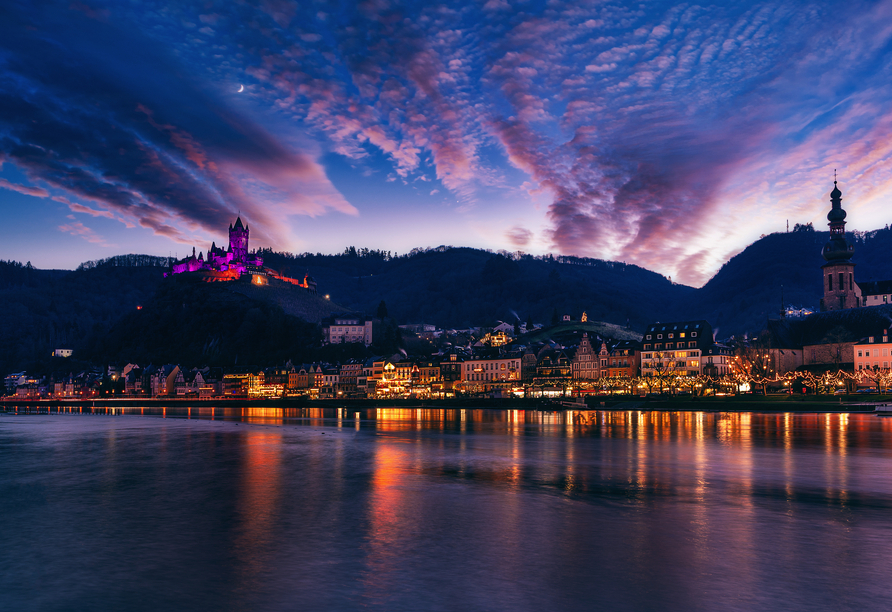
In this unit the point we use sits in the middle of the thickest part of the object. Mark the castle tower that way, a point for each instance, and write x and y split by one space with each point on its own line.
238 241
840 289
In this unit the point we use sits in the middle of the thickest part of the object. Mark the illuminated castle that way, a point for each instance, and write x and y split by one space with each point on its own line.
232 263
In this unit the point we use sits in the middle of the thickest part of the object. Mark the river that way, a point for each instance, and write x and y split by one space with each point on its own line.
403 509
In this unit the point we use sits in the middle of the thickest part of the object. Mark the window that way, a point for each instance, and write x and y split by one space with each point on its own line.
671 335
693 334
692 345
659 336
669 345
829 282
842 282
859 354
681 335
658 346
648 336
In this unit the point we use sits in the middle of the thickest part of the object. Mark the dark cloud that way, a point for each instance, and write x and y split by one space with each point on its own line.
107 115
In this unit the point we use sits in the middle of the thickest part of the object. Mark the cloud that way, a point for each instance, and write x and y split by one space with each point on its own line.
106 115
37 192
76 228
650 129
519 236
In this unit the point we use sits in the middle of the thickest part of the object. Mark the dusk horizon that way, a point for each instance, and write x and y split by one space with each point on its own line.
666 136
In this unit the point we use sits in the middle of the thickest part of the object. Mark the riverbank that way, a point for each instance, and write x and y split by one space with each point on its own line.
736 403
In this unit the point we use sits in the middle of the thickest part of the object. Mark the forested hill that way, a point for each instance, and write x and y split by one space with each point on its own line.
48 309
448 287
747 290
460 287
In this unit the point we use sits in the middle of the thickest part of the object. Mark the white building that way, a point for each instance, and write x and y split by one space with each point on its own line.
343 329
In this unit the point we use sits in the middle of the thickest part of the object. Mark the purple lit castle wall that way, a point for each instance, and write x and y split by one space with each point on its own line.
233 261
230 264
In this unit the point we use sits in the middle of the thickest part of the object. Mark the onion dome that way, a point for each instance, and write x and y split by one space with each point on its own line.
836 213
837 248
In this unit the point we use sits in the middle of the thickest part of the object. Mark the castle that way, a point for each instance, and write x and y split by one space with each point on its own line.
232 263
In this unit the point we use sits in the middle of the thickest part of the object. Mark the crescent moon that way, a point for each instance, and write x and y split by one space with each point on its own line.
241 88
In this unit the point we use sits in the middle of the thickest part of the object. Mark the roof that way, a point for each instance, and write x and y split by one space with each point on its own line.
680 326
876 287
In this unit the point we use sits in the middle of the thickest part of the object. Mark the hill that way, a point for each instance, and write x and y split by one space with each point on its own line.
200 323
461 287
93 309
568 332
48 309
747 290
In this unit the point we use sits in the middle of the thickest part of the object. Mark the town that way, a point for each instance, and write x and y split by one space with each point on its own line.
831 351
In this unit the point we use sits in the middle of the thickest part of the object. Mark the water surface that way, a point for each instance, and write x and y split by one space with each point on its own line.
401 509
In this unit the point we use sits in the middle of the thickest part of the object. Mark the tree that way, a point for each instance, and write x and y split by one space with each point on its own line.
754 359
836 338
382 311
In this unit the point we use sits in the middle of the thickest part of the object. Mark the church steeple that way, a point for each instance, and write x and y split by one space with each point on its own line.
837 248
840 289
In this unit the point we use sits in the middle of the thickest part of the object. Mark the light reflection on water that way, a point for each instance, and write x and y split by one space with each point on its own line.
442 509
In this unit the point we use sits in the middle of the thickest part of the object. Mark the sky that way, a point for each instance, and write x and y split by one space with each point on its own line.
662 134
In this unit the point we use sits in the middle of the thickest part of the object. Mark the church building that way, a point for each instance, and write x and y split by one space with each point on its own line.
840 289
841 292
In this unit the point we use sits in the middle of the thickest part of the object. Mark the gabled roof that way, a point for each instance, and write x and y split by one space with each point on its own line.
876 287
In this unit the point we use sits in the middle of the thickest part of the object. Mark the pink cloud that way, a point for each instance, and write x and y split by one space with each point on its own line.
77 228
36 192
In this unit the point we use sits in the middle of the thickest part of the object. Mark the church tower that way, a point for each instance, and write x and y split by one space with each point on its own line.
840 289
238 241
